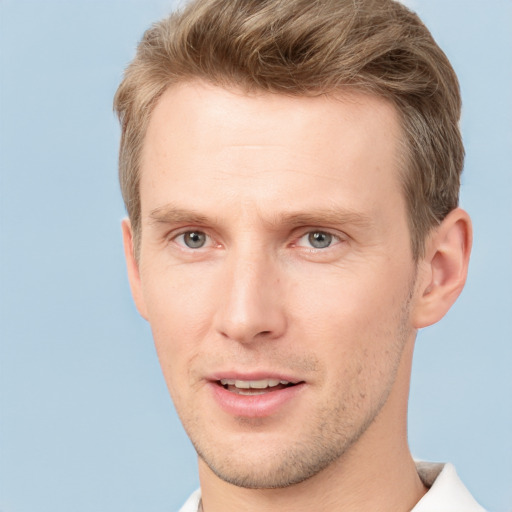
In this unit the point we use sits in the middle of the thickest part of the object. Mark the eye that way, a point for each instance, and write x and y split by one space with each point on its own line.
192 239
318 239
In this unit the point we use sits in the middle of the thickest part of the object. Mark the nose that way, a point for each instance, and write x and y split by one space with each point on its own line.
251 299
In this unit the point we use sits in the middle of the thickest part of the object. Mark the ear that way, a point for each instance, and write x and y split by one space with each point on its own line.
443 271
132 266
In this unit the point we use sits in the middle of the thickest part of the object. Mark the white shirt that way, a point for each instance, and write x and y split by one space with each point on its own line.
446 492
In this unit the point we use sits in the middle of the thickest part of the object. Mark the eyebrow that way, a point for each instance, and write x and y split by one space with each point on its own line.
170 214
324 216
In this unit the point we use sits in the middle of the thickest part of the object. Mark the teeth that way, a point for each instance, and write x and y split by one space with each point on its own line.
253 384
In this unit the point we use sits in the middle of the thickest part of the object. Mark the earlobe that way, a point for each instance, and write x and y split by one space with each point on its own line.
444 268
132 266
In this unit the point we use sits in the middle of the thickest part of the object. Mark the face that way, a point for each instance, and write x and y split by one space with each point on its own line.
276 272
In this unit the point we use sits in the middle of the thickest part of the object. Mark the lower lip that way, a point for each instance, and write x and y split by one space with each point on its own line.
254 406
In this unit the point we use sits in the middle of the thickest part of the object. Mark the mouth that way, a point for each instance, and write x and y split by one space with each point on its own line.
254 396
254 387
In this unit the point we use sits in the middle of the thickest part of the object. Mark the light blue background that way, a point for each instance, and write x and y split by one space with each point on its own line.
86 423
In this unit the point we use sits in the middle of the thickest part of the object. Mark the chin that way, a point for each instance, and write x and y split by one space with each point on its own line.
265 469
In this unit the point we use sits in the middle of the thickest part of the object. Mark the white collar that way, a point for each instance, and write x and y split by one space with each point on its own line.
447 493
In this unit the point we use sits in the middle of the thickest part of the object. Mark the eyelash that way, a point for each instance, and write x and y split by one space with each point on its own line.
190 231
333 239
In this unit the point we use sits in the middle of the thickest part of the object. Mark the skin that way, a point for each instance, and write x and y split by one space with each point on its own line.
255 176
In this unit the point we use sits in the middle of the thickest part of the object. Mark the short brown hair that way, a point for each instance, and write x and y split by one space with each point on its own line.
307 47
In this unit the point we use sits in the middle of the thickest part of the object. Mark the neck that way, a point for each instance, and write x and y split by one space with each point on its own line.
377 473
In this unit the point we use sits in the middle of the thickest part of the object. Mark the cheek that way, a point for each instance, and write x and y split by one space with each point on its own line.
358 318
344 300
179 316
178 300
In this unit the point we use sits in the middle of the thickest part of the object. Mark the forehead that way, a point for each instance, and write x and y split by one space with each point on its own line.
222 143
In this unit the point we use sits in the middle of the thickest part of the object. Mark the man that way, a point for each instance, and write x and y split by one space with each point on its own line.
291 174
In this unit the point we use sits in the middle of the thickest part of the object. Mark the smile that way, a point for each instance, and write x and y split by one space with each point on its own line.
254 387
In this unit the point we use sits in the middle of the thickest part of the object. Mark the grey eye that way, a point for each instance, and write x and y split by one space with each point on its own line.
194 239
320 239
